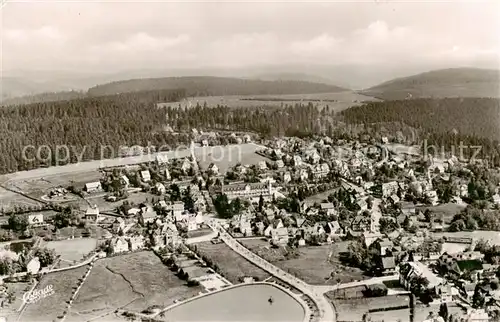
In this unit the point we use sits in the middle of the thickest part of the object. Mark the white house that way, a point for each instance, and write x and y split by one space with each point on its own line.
328 208
126 181
280 164
119 245
146 176
93 187
92 214
262 165
160 188
35 220
287 177
167 175
161 158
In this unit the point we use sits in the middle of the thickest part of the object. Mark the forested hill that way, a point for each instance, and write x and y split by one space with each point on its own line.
215 86
43 97
454 82
467 116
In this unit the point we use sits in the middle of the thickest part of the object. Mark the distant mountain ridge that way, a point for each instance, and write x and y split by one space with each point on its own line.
214 86
453 82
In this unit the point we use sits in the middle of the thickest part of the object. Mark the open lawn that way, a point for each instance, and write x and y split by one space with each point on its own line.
39 186
226 157
353 309
10 309
232 266
133 281
199 232
337 101
314 264
49 308
72 251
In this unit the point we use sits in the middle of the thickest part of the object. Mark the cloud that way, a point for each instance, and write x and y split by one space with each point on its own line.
40 35
318 44
142 42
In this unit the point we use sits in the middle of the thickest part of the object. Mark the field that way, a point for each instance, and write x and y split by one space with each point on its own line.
51 307
133 282
338 101
232 266
72 251
314 265
10 310
353 309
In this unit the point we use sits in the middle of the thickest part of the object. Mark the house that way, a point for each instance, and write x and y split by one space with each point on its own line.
119 245
92 214
213 169
245 226
389 188
384 140
35 220
432 197
92 187
359 223
247 138
362 204
369 238
161 158
394 199
191 222
279 236
287 177
280 164
186 165
328 208
148 215
249 190
333 228
177 208
160 188
33 266
384 246
412 270
297 160
118 224
126 181
389 265
136 243
133 211
303 174
262 165
477 315
146 176
167 175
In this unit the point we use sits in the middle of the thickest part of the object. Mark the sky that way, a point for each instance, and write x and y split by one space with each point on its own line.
96 36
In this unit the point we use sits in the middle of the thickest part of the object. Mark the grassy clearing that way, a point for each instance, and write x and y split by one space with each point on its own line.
353 309
314 265
133 282
49 308
10 310
343 100
232 266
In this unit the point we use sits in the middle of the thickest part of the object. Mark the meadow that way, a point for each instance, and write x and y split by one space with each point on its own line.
337 101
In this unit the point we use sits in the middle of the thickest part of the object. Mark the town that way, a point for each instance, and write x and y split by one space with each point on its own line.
353 230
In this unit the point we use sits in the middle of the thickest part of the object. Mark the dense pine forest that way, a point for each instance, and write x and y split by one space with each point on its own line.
468 116
84 125
443 122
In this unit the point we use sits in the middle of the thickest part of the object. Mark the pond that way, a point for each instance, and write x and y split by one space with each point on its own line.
243 303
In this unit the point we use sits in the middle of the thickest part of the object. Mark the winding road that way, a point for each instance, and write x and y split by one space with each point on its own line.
326 311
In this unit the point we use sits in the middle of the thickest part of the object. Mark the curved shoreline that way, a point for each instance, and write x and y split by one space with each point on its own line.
298 299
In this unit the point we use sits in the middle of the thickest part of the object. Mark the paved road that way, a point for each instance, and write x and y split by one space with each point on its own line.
326 311
376 280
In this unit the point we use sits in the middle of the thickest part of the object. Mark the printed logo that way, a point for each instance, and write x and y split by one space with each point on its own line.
37 295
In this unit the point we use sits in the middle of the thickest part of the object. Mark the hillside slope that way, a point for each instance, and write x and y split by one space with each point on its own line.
214 86
478 117
454 82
